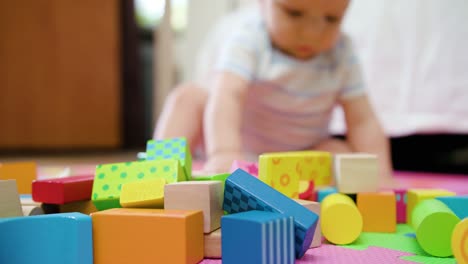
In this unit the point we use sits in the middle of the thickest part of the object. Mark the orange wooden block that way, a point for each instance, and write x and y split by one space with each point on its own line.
23 172
213 244
130 235
378 211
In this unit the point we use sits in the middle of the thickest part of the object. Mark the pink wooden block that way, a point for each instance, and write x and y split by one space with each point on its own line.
250 167
401 201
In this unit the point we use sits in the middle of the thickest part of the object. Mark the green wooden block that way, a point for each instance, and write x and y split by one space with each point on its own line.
109 178
218 177
174 148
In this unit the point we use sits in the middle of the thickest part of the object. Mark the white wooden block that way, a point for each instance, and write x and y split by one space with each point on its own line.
314 207
197 195
355 173
213 244
10 205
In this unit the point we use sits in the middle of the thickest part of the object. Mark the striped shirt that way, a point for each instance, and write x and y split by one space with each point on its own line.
289 102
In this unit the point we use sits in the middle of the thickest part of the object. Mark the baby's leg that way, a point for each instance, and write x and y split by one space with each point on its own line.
182 115
334 145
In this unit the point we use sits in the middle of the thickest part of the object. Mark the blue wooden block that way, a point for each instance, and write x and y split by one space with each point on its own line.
257 237
458 204
322 193
51 239
243 192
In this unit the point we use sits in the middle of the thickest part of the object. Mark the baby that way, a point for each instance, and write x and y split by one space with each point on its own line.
273 87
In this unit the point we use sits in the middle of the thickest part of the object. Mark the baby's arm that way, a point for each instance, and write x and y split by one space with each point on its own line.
222 121
364 134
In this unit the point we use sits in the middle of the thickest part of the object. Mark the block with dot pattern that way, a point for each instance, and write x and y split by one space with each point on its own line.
244 192
109 178
174 148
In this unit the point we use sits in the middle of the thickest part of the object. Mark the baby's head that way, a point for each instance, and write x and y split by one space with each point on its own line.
303 28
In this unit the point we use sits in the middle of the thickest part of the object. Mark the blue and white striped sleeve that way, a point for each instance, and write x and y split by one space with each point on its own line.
239 55
353 83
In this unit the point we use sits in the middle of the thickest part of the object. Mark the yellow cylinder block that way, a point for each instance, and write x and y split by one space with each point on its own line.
340 219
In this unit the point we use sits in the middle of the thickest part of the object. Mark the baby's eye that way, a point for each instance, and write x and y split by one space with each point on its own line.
332 19
294 13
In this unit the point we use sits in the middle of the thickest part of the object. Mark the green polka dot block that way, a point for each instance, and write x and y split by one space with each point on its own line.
174 148
109 178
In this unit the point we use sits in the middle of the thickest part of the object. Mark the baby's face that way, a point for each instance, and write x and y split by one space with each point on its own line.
303 28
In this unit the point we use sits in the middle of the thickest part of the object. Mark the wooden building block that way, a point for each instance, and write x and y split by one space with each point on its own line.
213 244
197 195
29 206
460 242
458 204
284 170
355 173
84 207
174 148
434 223
243 192
23 172
10 205
417 195
306 190
378 211
257 237
63 190
314 207
250 167
129 235
109 178
324 192
217 177
401 197
29 210
143 194
51 239
341 219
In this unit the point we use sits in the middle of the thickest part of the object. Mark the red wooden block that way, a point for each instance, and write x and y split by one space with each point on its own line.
63 190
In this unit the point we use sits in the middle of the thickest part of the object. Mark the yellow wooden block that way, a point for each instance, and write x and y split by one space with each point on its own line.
378 211
23 172
417 195
143 194
135 235
284 170
314 207
460 242
341 219
213 244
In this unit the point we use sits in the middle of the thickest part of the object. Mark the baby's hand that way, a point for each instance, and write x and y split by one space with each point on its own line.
221 162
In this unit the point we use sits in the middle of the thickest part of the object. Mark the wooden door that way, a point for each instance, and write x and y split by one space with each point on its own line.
59 74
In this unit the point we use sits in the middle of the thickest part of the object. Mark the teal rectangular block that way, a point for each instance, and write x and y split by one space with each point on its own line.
458 204
173 148
51 239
